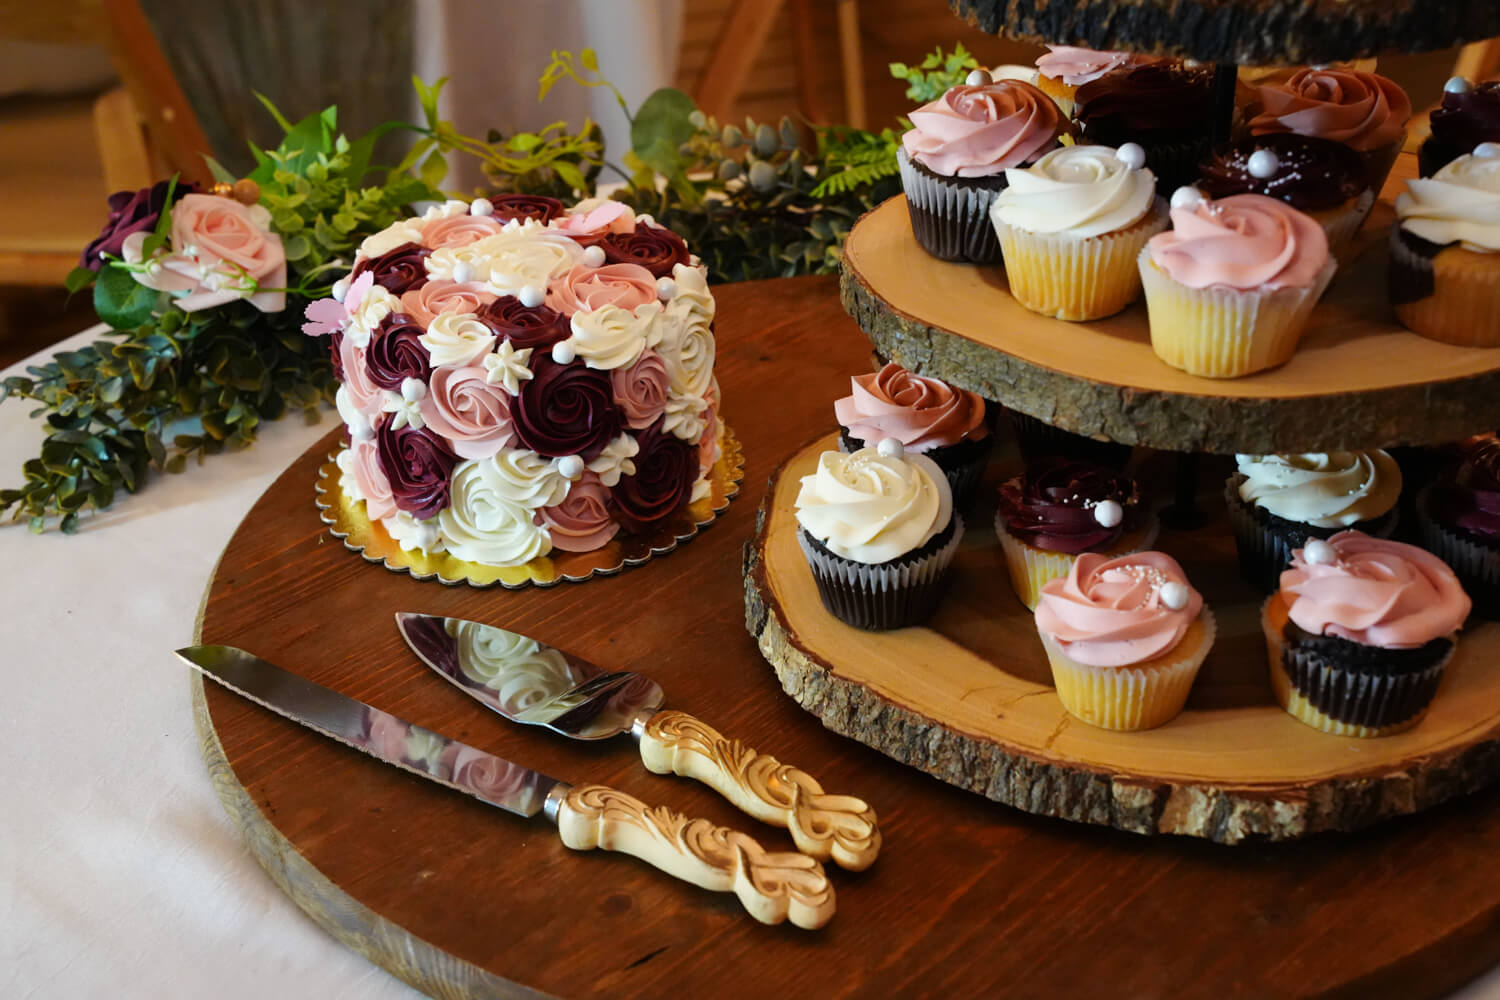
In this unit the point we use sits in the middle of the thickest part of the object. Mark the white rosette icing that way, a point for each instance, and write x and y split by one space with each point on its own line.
472 258
413 535
870 508
1079 190
528 254
357 422
508 367
519 670
526 478
687 340
374 307
615 460
1459 203
389 238
425 748
686 417
1324 489
446 210
611 337
457 339
347 482
701 489
481 525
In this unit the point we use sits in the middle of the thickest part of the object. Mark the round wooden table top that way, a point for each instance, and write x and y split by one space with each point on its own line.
968 897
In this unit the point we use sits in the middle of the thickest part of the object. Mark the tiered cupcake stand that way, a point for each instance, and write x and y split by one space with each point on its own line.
968 698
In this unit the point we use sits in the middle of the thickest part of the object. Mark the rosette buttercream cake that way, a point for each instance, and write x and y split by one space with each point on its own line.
518 378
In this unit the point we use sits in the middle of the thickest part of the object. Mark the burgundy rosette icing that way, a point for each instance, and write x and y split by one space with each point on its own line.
1470 501
458 230
130 212
525 206
565 410
467 410
641 390
425 303
582 521
396 352
418 464
1463 121
399 270
1311 173
537 327
1052 506
585 289
655 248
336 355
665 469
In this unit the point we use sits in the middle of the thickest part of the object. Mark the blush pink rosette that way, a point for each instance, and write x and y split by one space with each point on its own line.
1244 241
922 413
489 776
387 737
221 251
1109 612
641 390
585 289
371 480
977 131
1376 593
363 393
472 414
1364 111
458 231
1075 66
581 522
442 296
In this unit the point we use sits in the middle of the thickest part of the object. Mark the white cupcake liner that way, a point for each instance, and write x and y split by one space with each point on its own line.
950 216
882 596
1032 568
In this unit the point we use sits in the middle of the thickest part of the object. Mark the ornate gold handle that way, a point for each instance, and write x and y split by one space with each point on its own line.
772 887
840 827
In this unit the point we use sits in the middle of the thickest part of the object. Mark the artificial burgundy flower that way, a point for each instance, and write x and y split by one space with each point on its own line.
399 270
396 352
130 212
665 469
418 465
565 410
655 248
525 206
538 327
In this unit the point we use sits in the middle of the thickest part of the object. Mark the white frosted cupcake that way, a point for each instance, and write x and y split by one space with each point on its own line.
879 531
1071 227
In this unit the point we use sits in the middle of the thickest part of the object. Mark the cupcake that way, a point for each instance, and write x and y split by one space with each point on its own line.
927 415
1468 115
1445 268
1071 226
1458 519
1166 107
1230 287
1059 509
879 531
1364 111
1038 440
1125 638
1318 177
1063 69
1359 633
953 160
1277 502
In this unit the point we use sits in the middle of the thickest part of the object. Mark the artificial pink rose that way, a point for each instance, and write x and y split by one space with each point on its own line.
594 225
585 289
387 738
362 391
426 303
240 254
458 231
489 776
371 480
641 390
581 523
466 409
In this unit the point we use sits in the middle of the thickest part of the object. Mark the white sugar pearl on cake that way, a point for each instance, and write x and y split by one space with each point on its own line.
563 352
481 206
1132 155
360 429
891 448
463 272
1487 150
1263 164
1108 513
571 466
1319 553
593 256
1457 85
978 78
340 289
1175 595
531 296
665 288
413 390
1187 197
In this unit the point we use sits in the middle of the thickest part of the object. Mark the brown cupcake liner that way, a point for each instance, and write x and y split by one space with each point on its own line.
895 594
1264 551
1477 566
950 216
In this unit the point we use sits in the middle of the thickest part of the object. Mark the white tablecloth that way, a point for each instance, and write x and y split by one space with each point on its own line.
120 874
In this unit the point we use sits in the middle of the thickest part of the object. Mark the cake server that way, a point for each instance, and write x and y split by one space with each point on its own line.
772 886
529 682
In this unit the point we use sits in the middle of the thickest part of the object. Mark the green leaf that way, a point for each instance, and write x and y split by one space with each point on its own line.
276 114
121 301
69 524
37 525
660 128
78 278
434 168
589 60
163 229
219 171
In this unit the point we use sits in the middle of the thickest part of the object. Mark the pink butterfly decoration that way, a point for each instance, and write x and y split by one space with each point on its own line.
325 316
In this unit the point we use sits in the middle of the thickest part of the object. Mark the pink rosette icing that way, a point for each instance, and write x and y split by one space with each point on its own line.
1362 110
581 522
467 410
584 288
980 131
487 775
387 735
641 390
458 231
1075 66
380 503
922 413
361 389
1244 241
1377 593
1110 613
436 297
598 222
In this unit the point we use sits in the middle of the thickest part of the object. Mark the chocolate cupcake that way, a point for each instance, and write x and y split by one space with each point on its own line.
927 415
1065 68
1359 632
1318 177
1278 502
1059 509
1469 115
1458 519
1165 107
1038 440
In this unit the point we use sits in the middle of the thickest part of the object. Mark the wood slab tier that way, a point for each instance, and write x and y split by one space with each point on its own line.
1358 380
969 699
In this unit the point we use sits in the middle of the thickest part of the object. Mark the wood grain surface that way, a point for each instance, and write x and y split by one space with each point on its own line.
968 898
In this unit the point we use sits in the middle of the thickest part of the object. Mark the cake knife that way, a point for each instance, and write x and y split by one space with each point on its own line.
529 682
772 886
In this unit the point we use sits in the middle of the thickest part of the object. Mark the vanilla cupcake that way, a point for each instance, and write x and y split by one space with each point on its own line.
1277 502
1064 68
1445 252
879 531
1230 287
1125 638
1360 632
1071 227
954 157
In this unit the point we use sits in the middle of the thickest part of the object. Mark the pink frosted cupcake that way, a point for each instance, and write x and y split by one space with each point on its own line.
927 415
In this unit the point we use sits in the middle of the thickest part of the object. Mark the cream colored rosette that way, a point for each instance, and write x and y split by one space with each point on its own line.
1071 227
1326 489
521 671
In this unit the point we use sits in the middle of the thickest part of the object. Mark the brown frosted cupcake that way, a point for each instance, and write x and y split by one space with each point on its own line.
1165 107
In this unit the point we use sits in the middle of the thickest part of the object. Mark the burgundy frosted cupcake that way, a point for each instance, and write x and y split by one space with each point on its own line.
927 415
1058 509
1458 519
1165 107
1469 115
